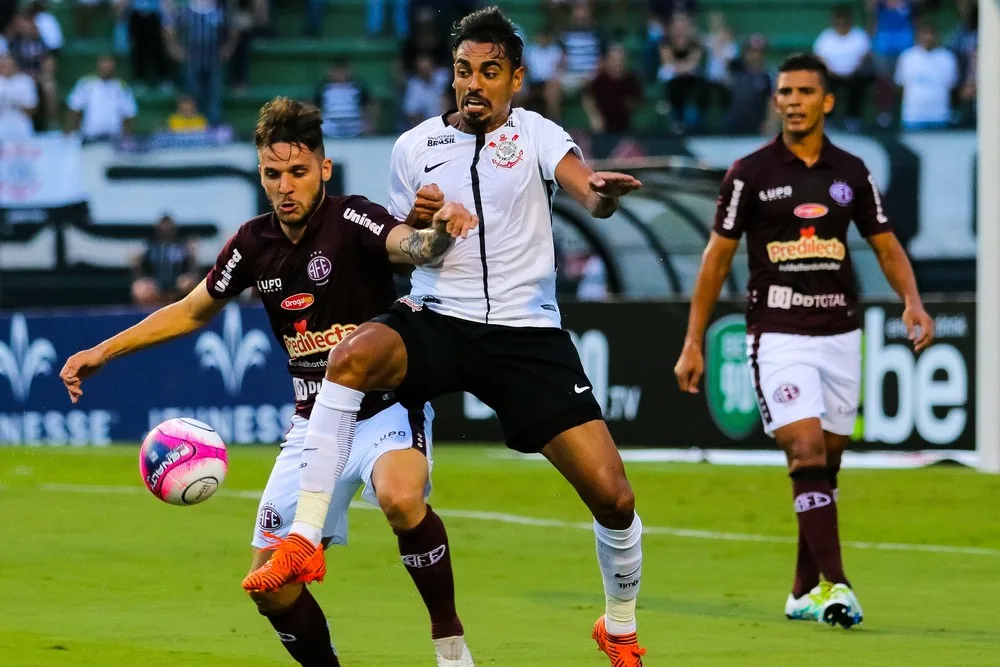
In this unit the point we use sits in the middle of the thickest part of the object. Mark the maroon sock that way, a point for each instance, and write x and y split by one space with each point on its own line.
806 572
304 633
427 558
817 514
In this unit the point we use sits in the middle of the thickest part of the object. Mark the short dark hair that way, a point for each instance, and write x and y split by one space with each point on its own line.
283 120
843 11
807 62
490 26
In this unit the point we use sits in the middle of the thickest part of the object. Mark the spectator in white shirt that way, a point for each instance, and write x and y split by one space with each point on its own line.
845 48
927 73
544 60
102 106
425 91
18 99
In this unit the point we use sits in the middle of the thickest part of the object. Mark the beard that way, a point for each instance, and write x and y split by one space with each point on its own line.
304 219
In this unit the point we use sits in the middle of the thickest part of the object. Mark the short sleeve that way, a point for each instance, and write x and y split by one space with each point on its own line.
732 207
402 192
868 214
233 269
372 223
552 143
129 109
77 97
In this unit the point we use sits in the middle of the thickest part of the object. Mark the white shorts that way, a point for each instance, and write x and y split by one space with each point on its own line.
387 431
798 377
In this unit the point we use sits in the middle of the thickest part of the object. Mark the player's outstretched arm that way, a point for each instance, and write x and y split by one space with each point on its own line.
597 191
407 245
715 264
180 318
898 271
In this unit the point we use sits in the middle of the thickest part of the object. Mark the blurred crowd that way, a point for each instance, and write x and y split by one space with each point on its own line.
691 67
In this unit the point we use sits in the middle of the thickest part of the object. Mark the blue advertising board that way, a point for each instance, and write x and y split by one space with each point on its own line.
231 375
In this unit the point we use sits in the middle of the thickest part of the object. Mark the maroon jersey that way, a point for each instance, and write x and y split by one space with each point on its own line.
315 291
796 219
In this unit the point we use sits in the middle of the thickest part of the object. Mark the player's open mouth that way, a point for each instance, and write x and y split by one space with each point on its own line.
475 105
288 207
795 116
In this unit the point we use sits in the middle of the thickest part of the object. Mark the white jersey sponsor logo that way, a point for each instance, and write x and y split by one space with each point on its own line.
734 204
779 296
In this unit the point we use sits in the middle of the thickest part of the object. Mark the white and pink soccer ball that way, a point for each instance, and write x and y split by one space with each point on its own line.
183 461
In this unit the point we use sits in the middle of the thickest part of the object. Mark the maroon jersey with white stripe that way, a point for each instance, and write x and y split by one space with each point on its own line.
796 219
315 291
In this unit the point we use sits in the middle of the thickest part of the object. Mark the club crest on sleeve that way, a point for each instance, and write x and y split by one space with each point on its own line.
506 152
841 193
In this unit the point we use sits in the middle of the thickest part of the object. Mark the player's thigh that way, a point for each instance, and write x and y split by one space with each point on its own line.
786 380
840 370
281 493
395 468
432 349
587 457
534 380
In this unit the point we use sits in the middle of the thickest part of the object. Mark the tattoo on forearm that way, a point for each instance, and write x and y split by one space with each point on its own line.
425 246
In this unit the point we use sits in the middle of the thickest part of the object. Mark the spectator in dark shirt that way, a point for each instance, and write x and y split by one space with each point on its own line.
26 45
198 35
681 67
167 270
750 89
614 94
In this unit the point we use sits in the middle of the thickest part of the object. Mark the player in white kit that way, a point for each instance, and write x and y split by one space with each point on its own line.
485 319
795 199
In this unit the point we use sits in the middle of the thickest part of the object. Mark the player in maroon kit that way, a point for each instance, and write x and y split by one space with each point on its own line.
323 265
795 199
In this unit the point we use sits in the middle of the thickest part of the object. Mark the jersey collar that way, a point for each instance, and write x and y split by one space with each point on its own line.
826 154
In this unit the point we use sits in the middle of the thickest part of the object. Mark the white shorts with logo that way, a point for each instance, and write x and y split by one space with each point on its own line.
797 377
387 431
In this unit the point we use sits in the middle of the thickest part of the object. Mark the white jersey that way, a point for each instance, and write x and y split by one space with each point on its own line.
505 272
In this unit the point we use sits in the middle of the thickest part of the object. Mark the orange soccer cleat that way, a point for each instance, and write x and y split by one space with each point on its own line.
623 650
295 559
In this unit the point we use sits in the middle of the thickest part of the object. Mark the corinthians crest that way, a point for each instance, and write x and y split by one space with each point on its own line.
506 152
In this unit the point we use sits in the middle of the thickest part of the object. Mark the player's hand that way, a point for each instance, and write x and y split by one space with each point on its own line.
78 368
919 326
689 368
455 220
429 201
612 185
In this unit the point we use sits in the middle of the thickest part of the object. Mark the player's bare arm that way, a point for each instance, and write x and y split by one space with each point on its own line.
597 191
898 271
177 319
715 264
407 245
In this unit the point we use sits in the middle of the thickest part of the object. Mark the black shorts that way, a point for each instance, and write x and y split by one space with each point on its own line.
531 376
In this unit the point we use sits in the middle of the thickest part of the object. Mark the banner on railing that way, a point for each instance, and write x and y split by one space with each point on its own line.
232 375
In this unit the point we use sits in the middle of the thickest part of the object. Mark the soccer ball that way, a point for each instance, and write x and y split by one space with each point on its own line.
183 461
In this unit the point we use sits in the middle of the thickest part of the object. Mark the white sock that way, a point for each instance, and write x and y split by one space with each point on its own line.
619 553
324 455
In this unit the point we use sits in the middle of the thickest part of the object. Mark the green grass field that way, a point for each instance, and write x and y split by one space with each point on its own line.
113 577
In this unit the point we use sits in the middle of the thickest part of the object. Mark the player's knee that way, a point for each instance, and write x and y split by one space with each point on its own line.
615 508
348 366
270 603
805 452
403 507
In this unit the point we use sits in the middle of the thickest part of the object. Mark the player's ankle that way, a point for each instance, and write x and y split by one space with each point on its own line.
450 648
310 532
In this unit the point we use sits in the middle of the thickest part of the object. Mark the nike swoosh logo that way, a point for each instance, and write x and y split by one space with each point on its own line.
428 169
629 575
578 389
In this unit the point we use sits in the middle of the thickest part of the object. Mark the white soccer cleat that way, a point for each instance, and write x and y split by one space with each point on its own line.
809 607
841 607
464 660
